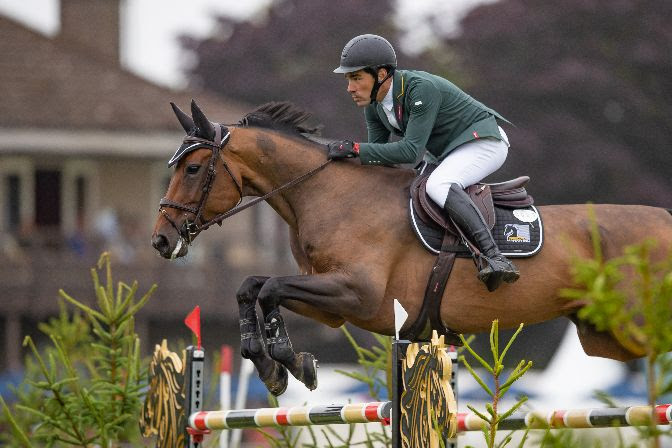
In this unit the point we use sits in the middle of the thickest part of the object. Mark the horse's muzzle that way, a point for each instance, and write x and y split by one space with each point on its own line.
162 244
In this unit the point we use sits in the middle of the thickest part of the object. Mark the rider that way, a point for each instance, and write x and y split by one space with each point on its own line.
426 110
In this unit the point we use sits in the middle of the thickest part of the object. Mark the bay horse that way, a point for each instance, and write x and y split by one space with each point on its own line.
351 237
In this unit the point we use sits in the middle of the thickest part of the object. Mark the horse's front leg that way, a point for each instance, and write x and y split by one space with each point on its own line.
327 292
252 347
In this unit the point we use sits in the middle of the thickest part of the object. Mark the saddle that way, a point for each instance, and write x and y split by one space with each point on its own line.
510 194
510 215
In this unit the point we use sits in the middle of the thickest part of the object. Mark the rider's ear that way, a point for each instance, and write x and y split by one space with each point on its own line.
206 129
184 119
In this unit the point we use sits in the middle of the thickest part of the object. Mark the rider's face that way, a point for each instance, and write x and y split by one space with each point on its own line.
360 84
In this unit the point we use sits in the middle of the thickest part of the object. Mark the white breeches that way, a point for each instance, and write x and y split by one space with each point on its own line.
466 165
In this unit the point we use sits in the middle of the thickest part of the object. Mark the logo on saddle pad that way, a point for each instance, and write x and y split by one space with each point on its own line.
525 215
517 233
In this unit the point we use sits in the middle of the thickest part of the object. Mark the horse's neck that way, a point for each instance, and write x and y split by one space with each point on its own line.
279 159
273 160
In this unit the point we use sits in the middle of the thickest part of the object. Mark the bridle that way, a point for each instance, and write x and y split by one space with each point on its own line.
192 228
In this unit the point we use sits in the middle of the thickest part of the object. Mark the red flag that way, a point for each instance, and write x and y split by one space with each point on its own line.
193 321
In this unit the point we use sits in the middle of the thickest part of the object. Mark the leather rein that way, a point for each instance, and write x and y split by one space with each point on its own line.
193 228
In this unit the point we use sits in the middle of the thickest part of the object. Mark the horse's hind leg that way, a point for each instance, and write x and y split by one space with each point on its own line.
601 343
252 347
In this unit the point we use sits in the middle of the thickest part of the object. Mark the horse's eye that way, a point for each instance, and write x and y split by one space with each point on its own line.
193 169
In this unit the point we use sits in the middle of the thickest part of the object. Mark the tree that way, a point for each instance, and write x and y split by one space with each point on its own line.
290 55
587 84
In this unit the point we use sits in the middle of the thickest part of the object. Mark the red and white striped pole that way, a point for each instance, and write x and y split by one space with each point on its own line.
380 412
225 364
293 416
573 418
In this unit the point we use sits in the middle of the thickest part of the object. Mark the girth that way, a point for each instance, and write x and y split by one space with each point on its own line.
429 317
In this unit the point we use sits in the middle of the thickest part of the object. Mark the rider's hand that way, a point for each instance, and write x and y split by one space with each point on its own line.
343 149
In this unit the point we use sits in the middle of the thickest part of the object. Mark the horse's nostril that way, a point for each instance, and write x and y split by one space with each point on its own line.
160 243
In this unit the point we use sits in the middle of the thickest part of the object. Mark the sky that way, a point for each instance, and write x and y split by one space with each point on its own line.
150 28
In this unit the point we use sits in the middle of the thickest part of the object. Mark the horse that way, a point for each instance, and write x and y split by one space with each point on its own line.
351 238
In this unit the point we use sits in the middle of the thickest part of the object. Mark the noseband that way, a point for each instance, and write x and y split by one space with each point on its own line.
191 229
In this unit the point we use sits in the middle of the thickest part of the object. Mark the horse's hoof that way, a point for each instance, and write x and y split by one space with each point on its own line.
276 383
280 386
309 367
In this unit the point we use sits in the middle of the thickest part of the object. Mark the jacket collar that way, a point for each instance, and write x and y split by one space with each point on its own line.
398 92
399 85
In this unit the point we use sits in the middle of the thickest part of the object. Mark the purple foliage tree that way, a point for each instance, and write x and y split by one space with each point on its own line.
587 82
290 55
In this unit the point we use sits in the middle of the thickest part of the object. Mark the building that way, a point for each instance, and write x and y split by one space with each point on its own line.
84 146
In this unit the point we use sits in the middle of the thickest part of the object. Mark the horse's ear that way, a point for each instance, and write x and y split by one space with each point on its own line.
205 128
184 119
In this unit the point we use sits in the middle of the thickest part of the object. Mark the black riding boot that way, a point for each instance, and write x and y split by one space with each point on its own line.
465 214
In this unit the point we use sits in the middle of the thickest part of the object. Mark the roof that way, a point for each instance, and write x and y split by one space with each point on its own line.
49 83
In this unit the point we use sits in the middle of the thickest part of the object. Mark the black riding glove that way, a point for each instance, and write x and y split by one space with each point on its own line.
344 149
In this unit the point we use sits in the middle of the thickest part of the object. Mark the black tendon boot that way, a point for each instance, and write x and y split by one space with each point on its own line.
497 267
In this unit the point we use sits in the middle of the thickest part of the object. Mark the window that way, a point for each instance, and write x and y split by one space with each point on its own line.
16 193
13 203
47 198
80 201
79 196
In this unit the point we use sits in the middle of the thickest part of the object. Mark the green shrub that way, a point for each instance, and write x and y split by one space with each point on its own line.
86 388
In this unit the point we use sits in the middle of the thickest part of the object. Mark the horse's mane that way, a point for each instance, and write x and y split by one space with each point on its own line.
282 116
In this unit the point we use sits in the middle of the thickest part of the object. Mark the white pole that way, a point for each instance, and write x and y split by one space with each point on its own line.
246 368
225 362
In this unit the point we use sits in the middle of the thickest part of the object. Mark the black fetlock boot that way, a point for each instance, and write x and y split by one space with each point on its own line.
497 267
303 366
252 347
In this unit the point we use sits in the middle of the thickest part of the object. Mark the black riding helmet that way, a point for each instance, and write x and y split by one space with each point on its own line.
368 52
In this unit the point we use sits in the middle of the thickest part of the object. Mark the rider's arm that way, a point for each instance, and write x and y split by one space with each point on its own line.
377 132
424 100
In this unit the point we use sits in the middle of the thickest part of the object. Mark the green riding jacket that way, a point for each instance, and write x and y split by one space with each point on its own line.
433 113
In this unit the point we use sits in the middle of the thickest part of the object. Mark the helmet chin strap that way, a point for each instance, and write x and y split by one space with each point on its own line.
377 84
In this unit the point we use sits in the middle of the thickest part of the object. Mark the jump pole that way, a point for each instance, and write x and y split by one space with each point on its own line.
573 418
292 416
379 412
